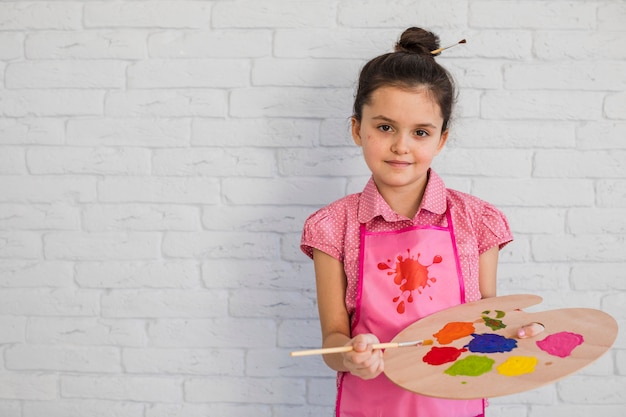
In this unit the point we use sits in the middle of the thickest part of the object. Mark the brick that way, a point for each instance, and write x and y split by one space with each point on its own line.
37 103
565 409
12 330
611 16
472 73
511 134
536 220
220 245
31 131
101 246
29 189
225 332
259 191
11 45
532 15
140 217
48 302
28 387
579 45
299 334
585 76
87 331
63 358
252 219
611 193
151 189
540 277
264 132
324 43
248 390
588 248
199 73
131 132
305 73
162 14
290 102
588 389
66 74
126 388
214 162
276 363
604 276
13 161
80 408
217 362
39 216
536 193
330 162
20 245
613 303
36 273
484 162
542 105
202 410
99 161
172 303
596 220
372 14
615 106
271 303
212 43
166 103
305 410
92 44
336 132
258 274
150 274
601 135
575 164
39 15
322 391
273 14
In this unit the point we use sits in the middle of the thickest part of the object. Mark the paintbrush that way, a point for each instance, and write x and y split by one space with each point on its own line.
341 349
438 51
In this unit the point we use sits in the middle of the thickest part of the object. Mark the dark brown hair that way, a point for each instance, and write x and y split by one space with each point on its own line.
410 66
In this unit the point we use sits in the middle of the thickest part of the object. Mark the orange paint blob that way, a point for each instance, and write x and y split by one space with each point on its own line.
453 331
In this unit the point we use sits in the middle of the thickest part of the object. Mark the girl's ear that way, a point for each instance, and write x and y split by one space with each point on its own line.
442 141
356 131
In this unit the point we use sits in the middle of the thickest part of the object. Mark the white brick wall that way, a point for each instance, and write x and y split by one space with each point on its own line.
158 159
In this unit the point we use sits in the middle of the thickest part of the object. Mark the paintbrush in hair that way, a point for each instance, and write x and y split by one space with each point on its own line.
438 51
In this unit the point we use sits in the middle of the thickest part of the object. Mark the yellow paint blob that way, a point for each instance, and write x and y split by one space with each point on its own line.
518 365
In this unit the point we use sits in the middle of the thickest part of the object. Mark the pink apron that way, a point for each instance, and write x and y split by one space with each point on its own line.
403 276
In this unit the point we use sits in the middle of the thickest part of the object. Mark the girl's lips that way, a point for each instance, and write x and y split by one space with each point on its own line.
399 164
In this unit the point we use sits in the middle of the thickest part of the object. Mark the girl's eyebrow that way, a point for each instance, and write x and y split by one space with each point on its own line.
391 121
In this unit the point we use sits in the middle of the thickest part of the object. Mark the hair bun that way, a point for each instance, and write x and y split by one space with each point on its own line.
417 41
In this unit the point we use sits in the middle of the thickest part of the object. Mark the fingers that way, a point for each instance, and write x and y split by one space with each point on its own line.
530 330
363 361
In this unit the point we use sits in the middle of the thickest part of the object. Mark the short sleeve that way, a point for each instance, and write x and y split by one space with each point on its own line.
494 230
324 230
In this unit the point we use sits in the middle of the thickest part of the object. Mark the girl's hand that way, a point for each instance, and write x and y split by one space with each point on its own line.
363 361
530 330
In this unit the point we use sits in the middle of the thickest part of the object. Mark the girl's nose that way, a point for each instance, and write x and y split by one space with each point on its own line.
400 145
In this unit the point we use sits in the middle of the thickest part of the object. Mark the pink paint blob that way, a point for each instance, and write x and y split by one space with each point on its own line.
560 344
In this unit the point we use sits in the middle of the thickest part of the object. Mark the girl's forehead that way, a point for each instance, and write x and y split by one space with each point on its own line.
404 101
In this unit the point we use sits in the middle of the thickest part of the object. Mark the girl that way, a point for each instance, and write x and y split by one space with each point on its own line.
406 246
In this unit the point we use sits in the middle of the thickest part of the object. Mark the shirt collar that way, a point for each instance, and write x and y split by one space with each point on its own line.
372 203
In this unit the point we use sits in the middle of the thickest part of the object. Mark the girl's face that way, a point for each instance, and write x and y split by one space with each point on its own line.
400 132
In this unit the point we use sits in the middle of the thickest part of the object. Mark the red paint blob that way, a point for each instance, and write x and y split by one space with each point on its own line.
440 355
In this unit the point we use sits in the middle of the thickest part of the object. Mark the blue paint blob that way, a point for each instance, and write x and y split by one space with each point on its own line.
491 343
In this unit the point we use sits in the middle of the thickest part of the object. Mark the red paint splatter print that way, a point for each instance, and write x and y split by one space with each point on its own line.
410 275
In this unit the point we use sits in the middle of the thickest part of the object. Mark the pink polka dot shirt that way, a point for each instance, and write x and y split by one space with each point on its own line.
334 229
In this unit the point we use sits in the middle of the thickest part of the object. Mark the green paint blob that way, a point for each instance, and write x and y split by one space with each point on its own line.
472 365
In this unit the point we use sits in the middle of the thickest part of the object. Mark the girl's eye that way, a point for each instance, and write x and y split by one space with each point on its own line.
421 133
384 128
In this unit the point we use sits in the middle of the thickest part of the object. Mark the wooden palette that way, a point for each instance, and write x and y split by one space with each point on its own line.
510 371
